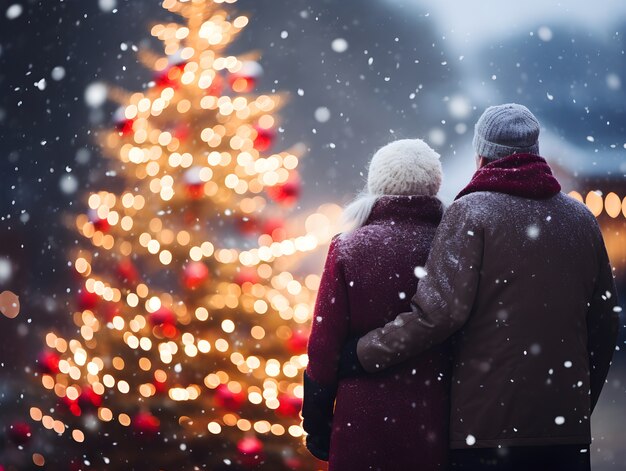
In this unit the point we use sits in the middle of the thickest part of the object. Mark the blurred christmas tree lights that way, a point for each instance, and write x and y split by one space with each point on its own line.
191 324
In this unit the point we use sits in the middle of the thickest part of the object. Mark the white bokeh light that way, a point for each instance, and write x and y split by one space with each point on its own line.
107 5
68 184
613 81
459 107
14 11
58 73
6 270
95 94
339 45
322 114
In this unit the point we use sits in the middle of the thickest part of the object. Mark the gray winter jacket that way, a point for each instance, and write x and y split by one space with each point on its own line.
527 287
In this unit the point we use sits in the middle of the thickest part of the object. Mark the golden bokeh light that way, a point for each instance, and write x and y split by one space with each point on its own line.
613 205
594 202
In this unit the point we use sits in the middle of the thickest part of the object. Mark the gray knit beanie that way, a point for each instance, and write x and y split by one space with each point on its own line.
504 130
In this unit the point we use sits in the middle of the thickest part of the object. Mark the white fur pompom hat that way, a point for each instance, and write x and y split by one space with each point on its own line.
407 167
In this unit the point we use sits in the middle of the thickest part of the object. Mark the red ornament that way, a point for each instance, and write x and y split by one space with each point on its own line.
163 317
286 194
127 272
170 77
144 423
195 275
19 433
181 132
246 79
87 300
160 386
246 275
195 192
290 406
264 139
72 406
88 399
169 331
248 226
228 400
49 362
250 451
193 183
99 224
297 343
275 228
123 125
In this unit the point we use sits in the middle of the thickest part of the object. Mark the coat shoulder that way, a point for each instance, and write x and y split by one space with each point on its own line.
472 207
581 216
578 208
376 238
346 244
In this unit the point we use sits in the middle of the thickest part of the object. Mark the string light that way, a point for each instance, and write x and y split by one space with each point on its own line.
597 203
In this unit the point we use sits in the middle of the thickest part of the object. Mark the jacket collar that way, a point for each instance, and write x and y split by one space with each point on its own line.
525 175
402 208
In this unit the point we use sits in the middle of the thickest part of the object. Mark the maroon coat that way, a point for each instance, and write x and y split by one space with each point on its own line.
397 419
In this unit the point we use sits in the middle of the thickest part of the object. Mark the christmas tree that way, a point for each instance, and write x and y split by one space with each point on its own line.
191 325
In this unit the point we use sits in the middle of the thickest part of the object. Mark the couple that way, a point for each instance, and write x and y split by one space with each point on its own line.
473 338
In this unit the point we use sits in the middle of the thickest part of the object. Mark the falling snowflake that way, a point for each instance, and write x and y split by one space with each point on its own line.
532 232
459 107
107 5
339 45
95 94
322 114
6 270
420 272
613 81
68 184
58 73
545 33
14 11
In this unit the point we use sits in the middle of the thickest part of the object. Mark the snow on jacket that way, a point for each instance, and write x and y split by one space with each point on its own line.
397 419
524 279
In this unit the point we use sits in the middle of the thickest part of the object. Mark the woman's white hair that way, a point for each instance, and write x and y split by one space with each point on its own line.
403 167
356 213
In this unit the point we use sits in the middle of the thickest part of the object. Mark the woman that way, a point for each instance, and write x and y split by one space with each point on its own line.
398 419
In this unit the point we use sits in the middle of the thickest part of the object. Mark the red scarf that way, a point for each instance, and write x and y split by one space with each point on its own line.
525 175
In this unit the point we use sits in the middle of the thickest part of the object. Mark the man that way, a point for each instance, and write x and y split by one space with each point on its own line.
519 272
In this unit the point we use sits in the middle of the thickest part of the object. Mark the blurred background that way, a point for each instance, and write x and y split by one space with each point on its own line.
359 73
